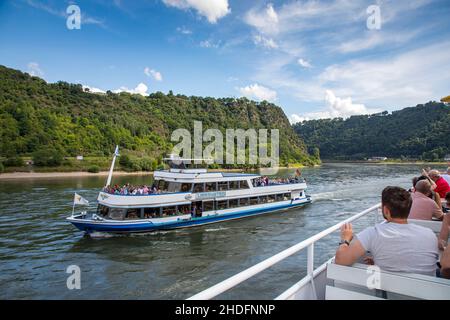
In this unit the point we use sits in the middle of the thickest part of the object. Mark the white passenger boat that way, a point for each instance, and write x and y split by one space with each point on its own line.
329 281
190 196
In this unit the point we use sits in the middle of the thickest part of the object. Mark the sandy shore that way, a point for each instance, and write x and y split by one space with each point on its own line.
51 175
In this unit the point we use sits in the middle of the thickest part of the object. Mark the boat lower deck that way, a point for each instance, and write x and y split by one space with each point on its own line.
92 223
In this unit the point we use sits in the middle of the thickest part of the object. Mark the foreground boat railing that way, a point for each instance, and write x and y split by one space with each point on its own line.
233 281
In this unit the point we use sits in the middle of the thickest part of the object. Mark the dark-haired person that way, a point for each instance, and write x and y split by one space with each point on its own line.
423 206
395 244
446 205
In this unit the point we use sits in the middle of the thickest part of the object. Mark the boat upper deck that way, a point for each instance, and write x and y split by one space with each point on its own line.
200 175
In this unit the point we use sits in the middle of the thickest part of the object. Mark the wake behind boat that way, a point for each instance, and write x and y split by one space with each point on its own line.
187 195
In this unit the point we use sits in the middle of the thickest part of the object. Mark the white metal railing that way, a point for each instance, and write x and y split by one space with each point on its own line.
263 265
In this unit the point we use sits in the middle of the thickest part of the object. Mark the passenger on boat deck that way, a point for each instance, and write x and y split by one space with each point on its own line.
395 245
442 187
128 189
265 181
423 206
446 205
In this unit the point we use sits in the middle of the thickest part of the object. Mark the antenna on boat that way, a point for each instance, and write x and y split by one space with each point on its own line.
116 153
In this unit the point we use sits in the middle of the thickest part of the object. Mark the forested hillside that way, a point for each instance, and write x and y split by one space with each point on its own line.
421 132
64 120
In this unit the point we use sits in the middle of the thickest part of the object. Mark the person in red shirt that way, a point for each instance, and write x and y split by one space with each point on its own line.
442 186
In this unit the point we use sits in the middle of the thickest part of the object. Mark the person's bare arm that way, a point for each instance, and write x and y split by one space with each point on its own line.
445 230
347 255
437 212
433 184
445 263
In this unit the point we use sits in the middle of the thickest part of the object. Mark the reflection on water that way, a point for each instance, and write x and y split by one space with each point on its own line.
37 244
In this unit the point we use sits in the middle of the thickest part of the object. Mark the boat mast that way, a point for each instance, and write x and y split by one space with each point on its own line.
116 153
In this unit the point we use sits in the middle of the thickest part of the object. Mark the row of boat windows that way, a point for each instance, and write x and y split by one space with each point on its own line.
170 186
195 209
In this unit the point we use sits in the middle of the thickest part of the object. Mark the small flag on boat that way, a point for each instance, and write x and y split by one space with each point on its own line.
80 200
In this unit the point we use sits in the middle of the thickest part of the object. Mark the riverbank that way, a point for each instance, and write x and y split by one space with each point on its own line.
73 174
52 175
399 162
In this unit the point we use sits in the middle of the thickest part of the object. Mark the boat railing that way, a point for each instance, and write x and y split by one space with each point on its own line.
308 244
276 183
159 193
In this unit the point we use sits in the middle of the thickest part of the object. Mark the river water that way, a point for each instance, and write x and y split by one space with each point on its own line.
37 245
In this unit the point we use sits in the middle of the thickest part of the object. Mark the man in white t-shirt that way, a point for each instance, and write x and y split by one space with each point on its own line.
446 175
395 245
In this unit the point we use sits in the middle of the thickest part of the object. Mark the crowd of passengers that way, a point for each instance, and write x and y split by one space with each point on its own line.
265 181
398 246
130 190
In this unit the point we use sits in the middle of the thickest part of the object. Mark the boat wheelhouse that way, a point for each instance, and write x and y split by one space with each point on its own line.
189 195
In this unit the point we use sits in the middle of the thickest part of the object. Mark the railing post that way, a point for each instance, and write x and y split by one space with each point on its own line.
310 265
310 268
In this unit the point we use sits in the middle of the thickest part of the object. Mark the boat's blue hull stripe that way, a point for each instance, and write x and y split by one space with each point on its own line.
148 226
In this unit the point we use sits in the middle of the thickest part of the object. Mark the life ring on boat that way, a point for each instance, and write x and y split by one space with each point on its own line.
96 217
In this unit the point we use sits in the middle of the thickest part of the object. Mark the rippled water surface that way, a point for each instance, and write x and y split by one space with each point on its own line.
37 244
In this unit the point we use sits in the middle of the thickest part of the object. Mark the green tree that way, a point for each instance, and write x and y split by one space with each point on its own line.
47 157
15 161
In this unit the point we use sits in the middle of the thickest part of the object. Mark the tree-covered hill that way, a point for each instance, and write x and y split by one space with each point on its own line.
421 132
36 115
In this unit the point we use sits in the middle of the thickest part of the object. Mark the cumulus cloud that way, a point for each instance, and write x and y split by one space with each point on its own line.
265 42
304 63
212 10
140 89
258 92
93 89
35 70
335 107
153 74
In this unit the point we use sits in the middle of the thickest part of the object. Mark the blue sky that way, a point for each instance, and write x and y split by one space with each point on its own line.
315 59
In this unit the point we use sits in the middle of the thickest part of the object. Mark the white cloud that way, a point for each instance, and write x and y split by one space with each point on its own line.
391 82
85 19
295 118
184 30
258 92
35 70
406 79
304 63
153 73
140 89
265 42
213 10
209 44
266 20
375 39
93 89
335 107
